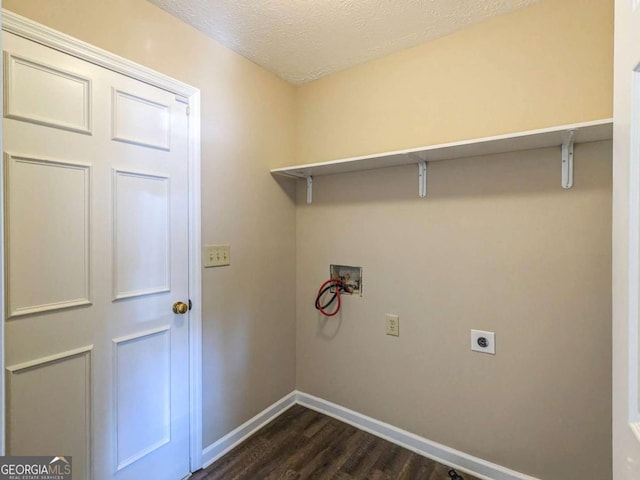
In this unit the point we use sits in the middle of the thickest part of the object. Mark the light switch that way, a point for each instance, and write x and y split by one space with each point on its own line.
217 255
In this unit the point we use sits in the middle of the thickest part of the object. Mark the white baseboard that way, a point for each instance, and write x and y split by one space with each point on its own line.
448 456
441 453
217 449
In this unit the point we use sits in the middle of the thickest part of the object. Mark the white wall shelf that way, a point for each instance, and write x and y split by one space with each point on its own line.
560 136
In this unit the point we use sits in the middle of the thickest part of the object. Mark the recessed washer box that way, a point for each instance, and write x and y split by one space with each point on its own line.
352 276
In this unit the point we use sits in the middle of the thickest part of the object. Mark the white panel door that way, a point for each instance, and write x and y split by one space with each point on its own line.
626 242
96 256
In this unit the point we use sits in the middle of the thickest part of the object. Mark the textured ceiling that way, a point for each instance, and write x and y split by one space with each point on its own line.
302 40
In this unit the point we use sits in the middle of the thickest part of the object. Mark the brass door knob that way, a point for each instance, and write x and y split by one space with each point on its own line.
180 308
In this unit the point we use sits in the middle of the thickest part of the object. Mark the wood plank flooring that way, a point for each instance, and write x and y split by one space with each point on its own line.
304 444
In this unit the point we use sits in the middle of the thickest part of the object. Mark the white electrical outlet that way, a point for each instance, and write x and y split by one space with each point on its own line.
484 342
393 325
217 255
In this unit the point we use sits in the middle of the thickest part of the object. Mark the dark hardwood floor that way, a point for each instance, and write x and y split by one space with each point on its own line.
304 444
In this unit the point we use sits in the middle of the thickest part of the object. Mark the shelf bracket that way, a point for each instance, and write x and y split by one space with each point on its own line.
309 189
567 159
422 178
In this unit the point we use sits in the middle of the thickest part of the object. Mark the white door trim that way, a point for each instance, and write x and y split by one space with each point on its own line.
46 36
634 263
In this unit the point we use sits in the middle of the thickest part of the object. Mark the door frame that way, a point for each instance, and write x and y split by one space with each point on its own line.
185 93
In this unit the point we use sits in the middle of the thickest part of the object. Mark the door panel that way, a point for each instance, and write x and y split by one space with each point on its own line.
141 234
36 190
97 236
39 402
141 121
46 95
143 365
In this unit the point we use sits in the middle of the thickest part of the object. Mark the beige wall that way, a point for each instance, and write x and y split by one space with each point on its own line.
496 245
549 64
247 127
